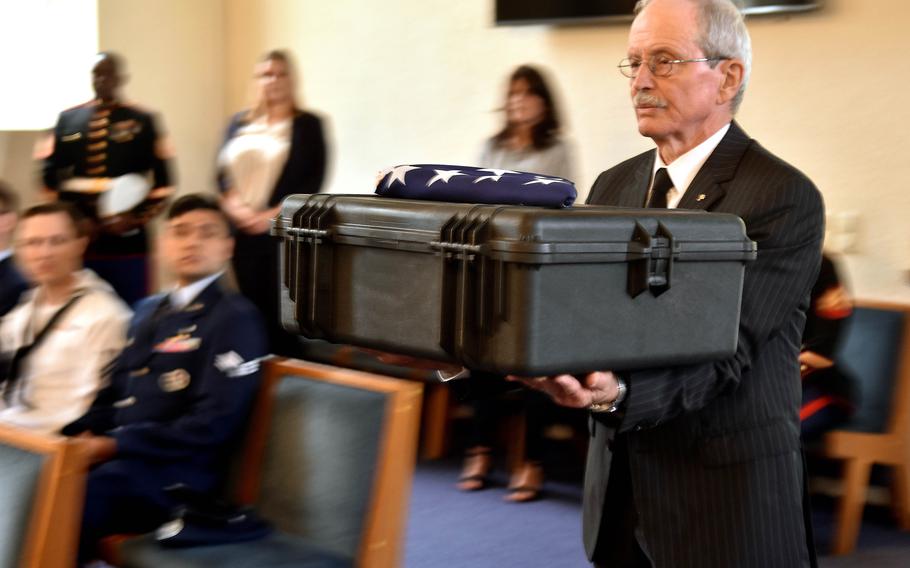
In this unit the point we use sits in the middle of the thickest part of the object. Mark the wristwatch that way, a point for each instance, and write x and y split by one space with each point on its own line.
613 405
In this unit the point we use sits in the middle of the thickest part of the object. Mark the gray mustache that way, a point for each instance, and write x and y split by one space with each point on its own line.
645 99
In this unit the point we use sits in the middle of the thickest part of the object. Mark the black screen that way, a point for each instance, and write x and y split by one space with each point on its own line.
537 11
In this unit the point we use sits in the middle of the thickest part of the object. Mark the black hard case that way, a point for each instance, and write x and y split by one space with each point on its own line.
511 289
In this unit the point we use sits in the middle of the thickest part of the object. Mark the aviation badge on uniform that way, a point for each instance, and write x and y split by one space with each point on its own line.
173 381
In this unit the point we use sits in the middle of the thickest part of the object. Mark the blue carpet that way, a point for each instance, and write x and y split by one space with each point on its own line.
451 529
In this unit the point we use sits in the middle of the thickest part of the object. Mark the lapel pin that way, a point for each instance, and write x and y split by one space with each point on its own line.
701 197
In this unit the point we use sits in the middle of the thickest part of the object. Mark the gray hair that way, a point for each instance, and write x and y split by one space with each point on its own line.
722 33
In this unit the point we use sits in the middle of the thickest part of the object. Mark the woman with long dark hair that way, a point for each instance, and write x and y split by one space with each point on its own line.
271 150
529 141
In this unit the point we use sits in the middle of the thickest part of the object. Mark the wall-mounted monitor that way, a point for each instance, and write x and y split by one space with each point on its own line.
518 12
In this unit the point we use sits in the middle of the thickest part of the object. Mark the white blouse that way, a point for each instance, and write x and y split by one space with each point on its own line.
254 159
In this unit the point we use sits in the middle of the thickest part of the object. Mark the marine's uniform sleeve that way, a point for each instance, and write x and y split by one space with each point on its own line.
160 158
53 156
223 394
787 222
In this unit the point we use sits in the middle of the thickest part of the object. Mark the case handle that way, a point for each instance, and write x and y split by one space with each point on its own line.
654 271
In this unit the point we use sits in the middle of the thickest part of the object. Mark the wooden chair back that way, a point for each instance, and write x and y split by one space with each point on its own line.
384 522
42 488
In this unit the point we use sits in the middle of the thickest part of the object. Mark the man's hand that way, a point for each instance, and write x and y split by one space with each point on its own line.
119 224
600 387
834 302
810 361
99 448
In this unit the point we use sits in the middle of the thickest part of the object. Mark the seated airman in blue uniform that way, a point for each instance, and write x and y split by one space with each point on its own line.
182 389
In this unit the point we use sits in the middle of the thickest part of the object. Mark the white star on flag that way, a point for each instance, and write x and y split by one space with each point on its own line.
444 175
545 181
398 174
497 174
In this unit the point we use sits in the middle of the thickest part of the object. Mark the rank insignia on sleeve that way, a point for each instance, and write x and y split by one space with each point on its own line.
233 365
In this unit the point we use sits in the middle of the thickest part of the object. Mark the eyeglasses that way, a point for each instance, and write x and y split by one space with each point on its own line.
205 232
54 241
270 75
659 67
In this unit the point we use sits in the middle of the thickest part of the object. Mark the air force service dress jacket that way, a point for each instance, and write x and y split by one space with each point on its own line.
182 389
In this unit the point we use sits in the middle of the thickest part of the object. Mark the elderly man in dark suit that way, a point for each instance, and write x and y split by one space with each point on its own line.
700 465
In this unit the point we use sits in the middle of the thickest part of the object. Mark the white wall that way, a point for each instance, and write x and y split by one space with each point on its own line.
416 80
175 53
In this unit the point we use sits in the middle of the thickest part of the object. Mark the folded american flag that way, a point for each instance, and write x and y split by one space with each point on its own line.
468 184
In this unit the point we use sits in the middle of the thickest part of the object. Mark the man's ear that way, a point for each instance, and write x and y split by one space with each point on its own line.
8 222
733 72
82 242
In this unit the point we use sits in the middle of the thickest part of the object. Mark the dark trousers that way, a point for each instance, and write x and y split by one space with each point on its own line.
538 410
618 545
256 270
123 262
127 496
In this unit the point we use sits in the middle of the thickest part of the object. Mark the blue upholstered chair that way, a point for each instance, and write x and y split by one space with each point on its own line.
877 353
42 481
329 462
435 421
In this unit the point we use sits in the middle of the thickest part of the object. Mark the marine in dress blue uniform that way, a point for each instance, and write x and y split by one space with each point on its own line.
180 395
106 138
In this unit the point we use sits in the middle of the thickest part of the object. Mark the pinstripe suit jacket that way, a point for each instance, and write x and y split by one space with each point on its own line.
713 448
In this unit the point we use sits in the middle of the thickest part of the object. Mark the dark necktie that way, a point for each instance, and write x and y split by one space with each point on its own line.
662 185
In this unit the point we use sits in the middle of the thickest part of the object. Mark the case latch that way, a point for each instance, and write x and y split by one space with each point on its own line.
654 270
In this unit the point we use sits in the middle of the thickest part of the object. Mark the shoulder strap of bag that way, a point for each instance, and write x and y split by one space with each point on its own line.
12 376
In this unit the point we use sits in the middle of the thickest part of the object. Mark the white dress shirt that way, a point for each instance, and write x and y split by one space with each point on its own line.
181 297
684 168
